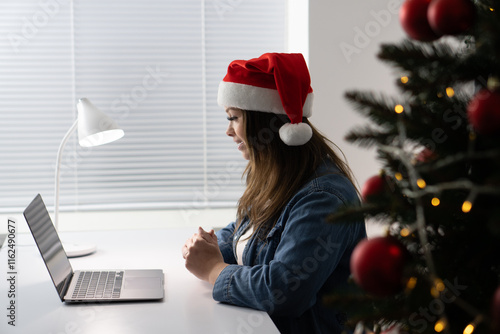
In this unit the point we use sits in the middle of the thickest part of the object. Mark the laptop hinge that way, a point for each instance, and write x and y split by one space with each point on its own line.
63 287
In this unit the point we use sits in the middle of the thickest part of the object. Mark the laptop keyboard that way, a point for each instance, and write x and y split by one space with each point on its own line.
98 284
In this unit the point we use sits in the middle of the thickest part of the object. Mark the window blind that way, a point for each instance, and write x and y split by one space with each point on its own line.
154 66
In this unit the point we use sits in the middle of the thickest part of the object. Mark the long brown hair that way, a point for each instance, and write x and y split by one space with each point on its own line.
277 171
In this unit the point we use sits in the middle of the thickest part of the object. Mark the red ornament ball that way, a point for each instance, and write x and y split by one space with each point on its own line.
374 187
451 17
377 265
483 112
413 19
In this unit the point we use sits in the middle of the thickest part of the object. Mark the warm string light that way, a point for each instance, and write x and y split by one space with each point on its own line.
450 92
472 326
412 282
440 325
404 232
437 288
404 79
438 283
398 176
460 184
398 109
435 201
466 206
469 329
436 291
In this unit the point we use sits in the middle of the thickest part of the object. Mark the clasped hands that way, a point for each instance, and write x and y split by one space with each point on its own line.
203 256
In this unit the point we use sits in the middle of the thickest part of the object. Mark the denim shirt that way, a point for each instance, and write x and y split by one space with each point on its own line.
301 259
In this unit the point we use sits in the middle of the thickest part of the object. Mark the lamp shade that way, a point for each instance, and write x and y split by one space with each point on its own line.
94 127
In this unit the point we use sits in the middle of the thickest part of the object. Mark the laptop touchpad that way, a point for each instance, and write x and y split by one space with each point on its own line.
142 282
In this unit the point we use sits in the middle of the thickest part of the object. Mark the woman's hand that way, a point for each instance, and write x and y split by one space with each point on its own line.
203 256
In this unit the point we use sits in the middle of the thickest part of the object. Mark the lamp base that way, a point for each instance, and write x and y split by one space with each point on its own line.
78 250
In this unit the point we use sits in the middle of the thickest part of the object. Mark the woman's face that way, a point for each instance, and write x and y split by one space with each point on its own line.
236 130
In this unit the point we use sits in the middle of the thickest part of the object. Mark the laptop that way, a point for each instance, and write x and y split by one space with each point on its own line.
87 285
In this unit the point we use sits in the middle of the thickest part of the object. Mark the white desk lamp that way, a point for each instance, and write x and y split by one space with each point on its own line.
94 129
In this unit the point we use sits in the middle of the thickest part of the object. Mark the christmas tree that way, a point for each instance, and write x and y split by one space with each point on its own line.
438 191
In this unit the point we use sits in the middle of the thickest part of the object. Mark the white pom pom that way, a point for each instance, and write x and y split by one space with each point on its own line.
295 134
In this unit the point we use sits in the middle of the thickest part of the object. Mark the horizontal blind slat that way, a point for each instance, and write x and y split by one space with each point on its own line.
141 63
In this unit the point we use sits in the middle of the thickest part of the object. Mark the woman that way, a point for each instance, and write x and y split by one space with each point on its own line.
280 255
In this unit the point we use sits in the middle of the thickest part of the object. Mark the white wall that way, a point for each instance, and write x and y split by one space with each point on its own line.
358 27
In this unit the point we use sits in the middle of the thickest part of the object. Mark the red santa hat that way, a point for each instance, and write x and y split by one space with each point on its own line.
278 83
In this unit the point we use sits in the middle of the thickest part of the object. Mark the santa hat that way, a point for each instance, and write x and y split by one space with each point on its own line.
278 83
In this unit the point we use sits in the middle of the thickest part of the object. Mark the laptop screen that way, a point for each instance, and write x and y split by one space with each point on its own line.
49 244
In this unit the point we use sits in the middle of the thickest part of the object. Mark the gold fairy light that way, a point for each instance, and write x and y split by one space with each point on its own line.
404 232
466 206
472 325
421 183
412 282
437 288
398 176
438 283
469 329
440 325
450 92
435 292
404 79
398 109
435 201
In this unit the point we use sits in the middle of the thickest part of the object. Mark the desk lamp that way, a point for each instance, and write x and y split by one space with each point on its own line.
94 129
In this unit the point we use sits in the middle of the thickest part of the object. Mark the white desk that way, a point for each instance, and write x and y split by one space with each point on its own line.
188 306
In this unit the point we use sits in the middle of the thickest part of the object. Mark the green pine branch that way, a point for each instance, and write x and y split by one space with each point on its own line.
411 56
368 137
380 109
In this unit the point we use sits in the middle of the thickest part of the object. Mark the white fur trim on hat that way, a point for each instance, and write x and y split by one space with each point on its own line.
295 134
254 98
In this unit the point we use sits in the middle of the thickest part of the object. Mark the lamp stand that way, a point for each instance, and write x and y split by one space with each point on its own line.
71 249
